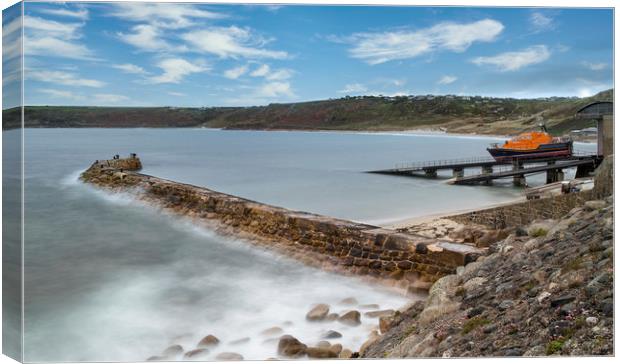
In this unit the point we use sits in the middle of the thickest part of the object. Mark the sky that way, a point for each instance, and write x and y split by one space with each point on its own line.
157 54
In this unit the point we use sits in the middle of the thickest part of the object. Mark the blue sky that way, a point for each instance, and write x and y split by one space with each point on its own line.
209 55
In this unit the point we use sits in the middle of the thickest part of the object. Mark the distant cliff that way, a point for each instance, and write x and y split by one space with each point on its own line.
458 114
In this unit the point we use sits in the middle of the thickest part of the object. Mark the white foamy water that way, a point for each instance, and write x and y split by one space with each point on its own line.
108 278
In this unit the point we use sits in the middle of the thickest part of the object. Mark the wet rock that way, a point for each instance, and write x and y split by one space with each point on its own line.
290 347
173 351
381 313
196 354
229 356
349 301
332 317
331 334
372 306
318 312
345 354
323 344
320 353
156 358
336 348
385 323
351 318
272 331
243 340
208 341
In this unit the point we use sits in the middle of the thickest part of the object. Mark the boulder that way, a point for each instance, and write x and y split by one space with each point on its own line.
229 357
318 312
351 318
290 347
349 301
196 354
331 317
173 351
345 354
272 331
381 313
336 348
243 340
323 344
331 334
321 353
208 341
372 306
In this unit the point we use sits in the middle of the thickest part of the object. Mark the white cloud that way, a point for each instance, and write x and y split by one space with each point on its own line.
275 89
595 66
261 71
130 68
279 75
95 99
264 70
50 28
60 94
541 22
147 37
11 40
236 72
231 42
353 88
175 69
55 47
51 38
171 16
78 14
447 79
376 48
62 78
512 61
173 93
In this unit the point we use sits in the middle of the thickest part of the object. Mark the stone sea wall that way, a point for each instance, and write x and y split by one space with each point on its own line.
399 259
523 213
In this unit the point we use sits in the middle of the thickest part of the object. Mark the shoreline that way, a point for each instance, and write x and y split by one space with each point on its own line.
419 220
396 132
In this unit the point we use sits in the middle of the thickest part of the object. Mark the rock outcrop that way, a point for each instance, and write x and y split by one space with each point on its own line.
549 292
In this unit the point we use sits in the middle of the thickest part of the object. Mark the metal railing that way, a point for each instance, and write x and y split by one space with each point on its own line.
443 163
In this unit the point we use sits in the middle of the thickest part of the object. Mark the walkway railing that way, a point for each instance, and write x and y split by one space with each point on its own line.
443 163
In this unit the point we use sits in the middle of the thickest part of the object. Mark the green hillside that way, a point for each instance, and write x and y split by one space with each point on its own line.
459 114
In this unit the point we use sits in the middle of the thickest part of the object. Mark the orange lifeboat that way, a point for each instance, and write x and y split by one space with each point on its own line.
535 144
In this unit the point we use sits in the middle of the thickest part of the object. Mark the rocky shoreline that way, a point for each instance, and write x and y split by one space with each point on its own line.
546 289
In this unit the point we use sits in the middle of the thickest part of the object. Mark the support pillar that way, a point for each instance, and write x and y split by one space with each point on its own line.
551 173
458 173
486 170
430 173
519 181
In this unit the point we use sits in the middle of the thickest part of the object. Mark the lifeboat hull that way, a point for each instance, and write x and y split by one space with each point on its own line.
564 149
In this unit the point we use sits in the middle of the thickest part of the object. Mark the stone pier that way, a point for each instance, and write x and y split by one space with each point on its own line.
389 256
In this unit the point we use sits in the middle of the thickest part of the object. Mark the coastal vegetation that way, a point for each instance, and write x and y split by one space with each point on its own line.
450 113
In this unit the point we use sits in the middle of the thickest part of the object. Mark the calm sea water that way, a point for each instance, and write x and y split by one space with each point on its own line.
109 279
